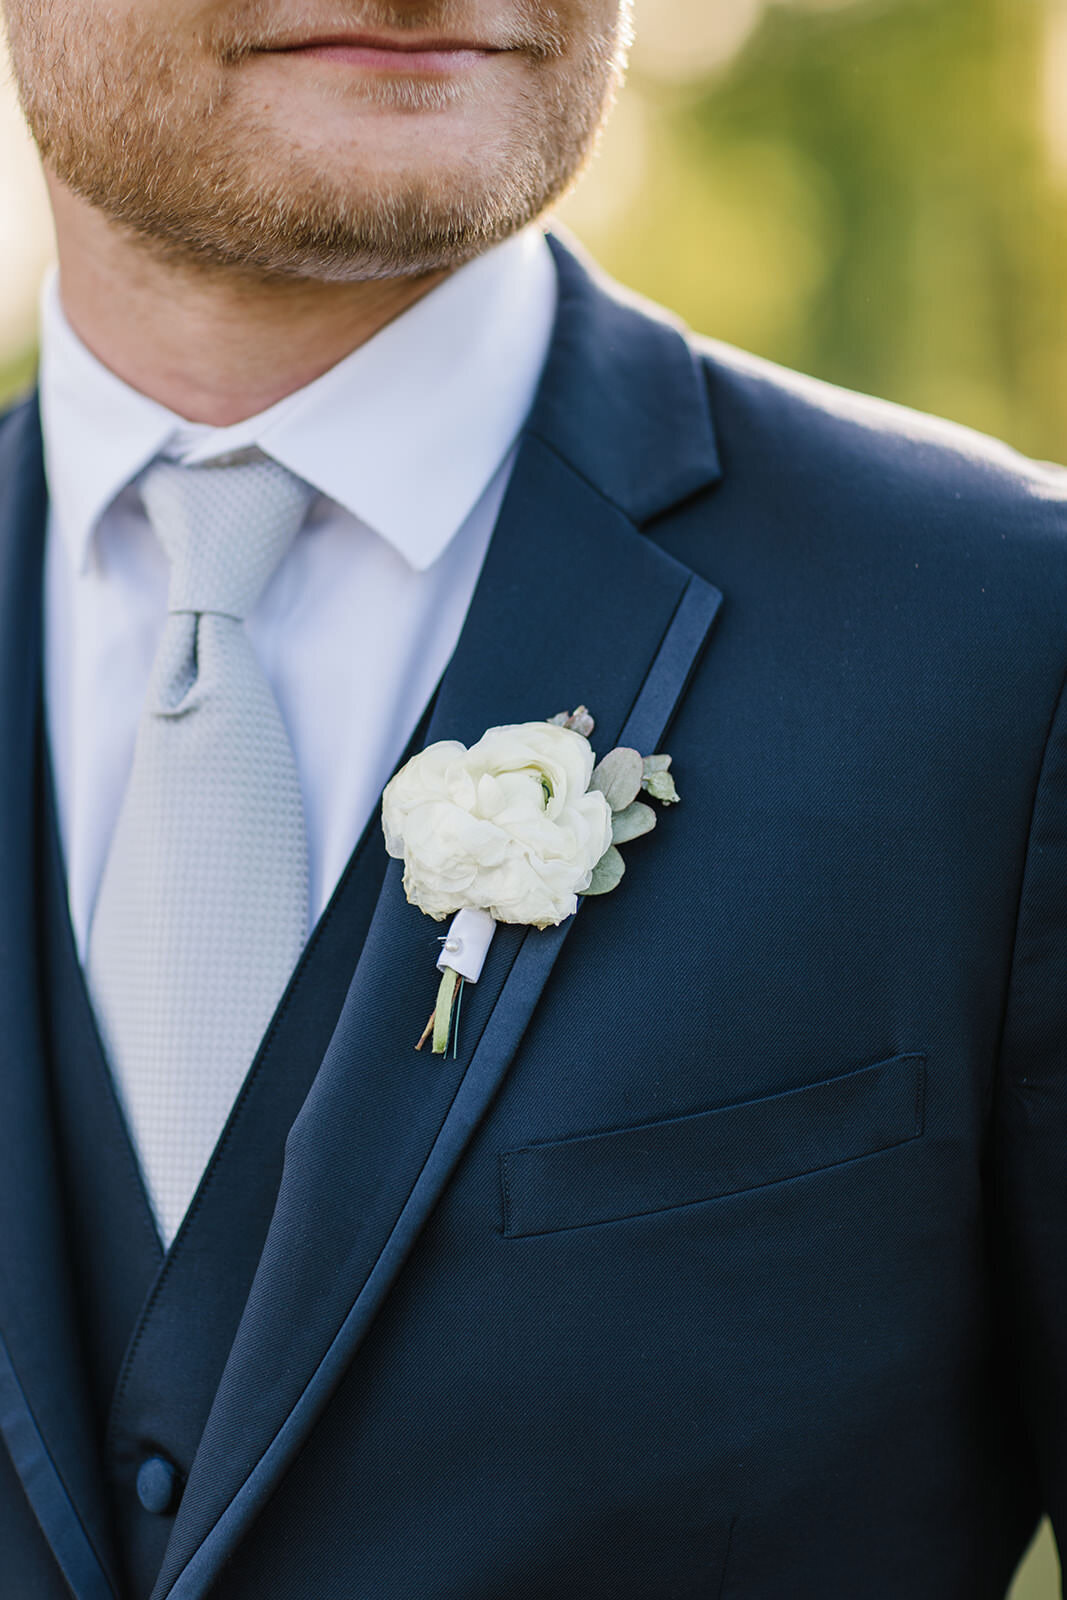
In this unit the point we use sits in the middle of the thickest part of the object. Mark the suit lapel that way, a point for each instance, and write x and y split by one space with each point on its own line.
44 1417
574 604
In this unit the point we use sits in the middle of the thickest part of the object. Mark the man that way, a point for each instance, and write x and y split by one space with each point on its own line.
724 1253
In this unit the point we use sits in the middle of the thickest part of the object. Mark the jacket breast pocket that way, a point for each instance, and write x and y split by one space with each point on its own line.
630 1172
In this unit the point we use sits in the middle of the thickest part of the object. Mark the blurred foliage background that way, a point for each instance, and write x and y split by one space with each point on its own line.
874 191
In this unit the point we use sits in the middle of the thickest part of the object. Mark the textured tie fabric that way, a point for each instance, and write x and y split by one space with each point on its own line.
203 907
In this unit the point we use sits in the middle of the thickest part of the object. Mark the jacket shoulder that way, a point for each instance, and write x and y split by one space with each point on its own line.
844 447
18 419
15 406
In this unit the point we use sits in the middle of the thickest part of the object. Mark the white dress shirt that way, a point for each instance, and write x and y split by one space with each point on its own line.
410 441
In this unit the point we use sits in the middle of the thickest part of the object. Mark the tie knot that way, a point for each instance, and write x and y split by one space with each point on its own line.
225 526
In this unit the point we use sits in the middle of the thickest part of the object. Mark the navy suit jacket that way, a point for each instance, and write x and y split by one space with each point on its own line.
729 1258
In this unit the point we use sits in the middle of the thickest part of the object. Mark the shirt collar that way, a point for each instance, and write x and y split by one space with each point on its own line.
406 433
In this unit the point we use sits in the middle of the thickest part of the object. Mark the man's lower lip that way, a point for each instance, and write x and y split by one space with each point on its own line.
400 63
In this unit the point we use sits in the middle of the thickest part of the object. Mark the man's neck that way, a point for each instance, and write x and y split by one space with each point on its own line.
214 347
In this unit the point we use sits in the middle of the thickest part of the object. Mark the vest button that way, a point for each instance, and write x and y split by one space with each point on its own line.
157 1485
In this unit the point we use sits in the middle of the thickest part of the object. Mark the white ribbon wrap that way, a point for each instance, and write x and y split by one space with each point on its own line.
466 944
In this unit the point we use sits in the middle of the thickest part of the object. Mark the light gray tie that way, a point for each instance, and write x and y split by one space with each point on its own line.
203 906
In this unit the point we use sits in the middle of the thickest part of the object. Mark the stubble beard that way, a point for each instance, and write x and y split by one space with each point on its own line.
147 138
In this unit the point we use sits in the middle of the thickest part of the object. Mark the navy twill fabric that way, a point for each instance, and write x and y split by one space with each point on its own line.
745 1275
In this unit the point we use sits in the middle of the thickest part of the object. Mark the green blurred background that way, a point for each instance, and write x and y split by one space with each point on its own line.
874 191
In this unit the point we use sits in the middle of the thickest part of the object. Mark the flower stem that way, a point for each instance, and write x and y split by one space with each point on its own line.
451 982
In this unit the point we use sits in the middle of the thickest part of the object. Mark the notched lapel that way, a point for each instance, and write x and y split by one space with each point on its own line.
44 1415
574 604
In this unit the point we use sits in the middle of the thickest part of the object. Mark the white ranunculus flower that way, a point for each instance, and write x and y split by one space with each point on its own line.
509 826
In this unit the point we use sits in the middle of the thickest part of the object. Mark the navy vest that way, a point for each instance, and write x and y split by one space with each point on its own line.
155 1330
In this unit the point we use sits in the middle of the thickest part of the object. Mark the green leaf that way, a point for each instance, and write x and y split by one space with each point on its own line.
661 787
656 764
618 777
607 874
632 823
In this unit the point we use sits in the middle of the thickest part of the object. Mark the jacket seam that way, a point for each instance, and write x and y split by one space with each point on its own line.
1024 878
597 489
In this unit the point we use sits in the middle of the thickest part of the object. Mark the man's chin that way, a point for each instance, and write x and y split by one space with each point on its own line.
349 232
306 171
393 195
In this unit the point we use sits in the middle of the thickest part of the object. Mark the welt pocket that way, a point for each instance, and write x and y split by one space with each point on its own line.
629 1172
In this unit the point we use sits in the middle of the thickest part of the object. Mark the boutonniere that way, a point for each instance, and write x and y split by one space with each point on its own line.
515 829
